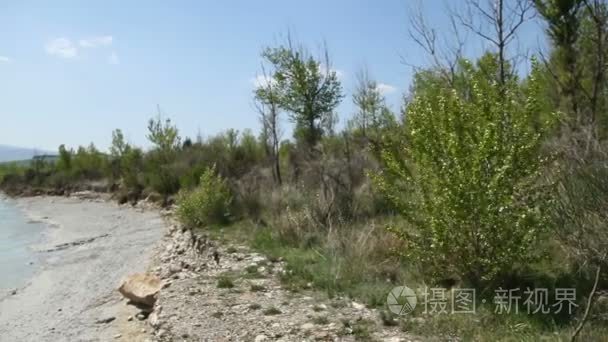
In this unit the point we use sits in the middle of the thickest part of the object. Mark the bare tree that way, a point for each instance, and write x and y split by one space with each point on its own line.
444 54
497 22
267 105
599 16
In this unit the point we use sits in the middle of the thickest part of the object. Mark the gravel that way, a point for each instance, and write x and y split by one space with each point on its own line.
90 244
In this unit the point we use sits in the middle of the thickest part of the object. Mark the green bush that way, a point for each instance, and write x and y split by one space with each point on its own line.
467 179
208 203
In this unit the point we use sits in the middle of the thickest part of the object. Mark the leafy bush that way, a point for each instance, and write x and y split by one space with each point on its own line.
467 179
206 204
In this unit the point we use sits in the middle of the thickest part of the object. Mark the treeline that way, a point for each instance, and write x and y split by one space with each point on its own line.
484 179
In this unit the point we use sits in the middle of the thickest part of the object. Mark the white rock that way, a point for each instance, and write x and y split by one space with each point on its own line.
175 269
258 259
260 338
154 319
358 306
307 327
141 288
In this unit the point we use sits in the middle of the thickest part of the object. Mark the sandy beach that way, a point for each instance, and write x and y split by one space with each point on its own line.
89 246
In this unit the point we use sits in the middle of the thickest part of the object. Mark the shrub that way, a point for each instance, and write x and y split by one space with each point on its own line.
208 203
224 282
272 311
467 179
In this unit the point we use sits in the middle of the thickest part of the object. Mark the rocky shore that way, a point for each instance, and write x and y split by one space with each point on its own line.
214 292
90 244
210 292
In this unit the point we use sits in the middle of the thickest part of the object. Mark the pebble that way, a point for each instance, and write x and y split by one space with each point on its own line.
307 327
260 338
117 336
105 320
175 269
418 320
154 320
358 306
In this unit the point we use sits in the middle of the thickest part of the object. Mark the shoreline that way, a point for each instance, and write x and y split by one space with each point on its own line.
32 250
88 246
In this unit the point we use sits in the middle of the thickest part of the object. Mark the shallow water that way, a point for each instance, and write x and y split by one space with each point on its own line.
17 259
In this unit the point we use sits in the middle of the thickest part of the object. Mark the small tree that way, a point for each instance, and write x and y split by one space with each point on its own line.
118 147
207 204
308 90
267 104
65 159
372 113
164 136
131 166
466 178
166 140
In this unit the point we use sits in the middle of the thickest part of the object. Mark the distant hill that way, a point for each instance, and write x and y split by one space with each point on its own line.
12 153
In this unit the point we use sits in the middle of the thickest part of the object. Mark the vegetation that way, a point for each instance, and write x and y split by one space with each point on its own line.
207 204
466 177
490 176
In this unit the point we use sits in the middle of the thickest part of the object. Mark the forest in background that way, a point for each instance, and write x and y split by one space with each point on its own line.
485 178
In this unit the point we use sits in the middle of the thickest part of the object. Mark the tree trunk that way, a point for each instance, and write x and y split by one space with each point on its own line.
590 302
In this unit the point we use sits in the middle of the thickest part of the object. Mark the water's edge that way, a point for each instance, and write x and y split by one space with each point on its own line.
18 234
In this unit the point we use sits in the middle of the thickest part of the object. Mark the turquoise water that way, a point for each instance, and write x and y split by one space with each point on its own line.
16 238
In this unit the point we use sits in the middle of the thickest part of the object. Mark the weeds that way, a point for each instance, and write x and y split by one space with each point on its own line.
272 311
225 282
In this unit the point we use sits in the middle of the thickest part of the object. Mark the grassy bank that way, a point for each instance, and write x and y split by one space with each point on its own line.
366 272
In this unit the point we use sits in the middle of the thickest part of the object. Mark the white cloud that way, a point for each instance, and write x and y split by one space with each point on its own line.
262 81
113 58
339 73
385 89
94 42
61 47
4 59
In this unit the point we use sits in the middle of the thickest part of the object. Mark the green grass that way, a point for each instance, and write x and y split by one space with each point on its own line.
252 272
320 320
257 288
254 306
485 326
225 282
272 311
362 330
365 281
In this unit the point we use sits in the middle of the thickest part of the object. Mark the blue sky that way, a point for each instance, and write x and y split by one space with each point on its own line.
72 71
